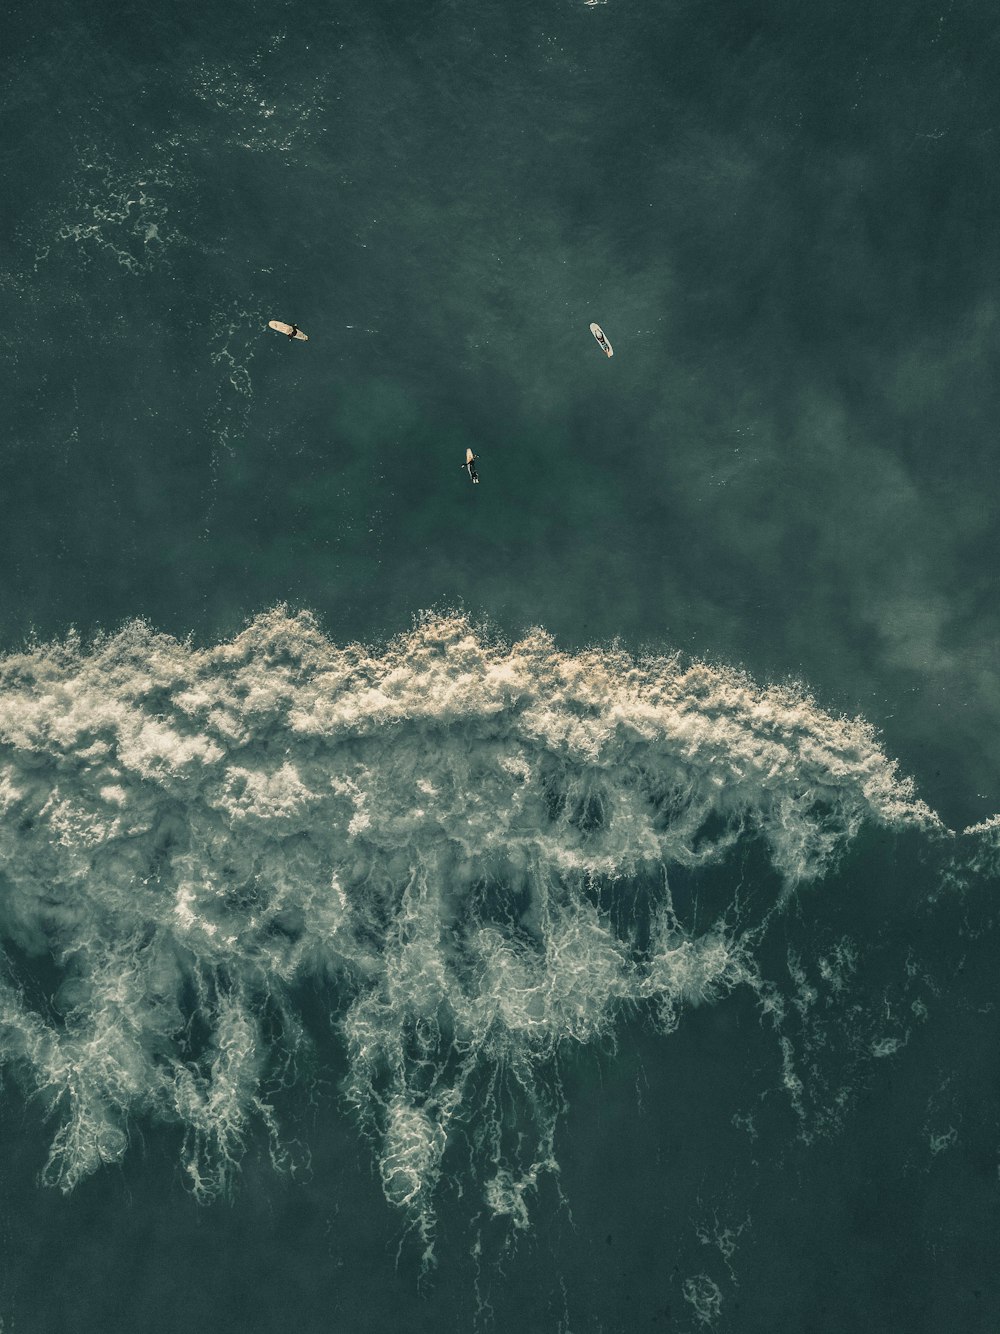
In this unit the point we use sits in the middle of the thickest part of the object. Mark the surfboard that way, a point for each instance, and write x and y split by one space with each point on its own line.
601 337
286 329
470 459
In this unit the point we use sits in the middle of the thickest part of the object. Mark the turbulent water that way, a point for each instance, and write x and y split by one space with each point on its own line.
468 846
475 976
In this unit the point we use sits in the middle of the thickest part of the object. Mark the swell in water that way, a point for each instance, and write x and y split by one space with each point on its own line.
472 849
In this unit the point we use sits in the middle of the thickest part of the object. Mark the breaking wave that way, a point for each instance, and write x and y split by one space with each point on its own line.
471 849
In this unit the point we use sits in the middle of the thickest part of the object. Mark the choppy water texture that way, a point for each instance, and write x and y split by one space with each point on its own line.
468 849
429 831
451 973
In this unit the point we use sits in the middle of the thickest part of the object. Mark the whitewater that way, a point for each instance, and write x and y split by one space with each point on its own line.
469 849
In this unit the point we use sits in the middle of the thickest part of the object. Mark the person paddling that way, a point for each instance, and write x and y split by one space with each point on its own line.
289 330
470 465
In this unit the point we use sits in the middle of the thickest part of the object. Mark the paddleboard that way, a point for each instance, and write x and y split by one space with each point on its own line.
286 329
601 337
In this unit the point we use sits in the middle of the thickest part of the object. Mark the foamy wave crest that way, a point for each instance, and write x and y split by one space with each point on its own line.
444 835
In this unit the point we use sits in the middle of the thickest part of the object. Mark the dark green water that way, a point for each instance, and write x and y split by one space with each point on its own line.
785 218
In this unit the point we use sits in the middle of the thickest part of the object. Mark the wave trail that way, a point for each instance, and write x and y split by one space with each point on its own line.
430 831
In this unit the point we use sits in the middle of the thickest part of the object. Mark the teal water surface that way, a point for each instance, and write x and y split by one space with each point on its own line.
785 220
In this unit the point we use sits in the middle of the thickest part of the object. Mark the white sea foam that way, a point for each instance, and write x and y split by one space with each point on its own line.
704 1297
118 210
976 855
252 114
443 834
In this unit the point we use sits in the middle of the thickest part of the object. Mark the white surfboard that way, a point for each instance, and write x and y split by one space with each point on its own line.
601 337
286 329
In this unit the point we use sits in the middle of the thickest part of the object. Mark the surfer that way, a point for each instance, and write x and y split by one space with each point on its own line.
602 340
289 330
470 465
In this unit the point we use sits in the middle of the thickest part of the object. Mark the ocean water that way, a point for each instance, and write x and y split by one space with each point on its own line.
565 904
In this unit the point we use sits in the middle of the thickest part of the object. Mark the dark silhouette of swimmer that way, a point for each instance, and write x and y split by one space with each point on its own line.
470 465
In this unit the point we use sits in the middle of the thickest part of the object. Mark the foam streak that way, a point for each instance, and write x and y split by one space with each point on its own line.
426 830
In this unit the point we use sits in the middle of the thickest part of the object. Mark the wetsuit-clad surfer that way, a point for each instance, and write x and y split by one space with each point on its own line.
294 331
470 465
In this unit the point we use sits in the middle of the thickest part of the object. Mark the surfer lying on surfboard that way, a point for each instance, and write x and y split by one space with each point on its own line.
470 464
289 330
602 339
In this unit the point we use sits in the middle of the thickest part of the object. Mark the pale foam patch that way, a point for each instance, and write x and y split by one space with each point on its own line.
976 854
432 831
117 211
234 335
257 113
